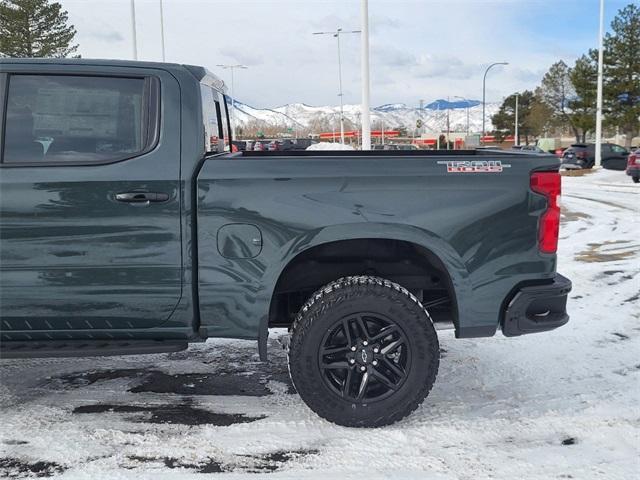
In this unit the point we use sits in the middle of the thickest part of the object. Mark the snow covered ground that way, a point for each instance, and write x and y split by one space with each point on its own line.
557 405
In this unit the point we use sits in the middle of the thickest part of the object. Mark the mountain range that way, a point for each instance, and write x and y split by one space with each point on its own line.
393 115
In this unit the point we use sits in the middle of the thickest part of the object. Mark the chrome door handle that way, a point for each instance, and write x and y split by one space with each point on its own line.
141 197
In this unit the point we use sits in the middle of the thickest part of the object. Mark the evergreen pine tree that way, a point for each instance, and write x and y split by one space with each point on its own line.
35 28
622 72
583 78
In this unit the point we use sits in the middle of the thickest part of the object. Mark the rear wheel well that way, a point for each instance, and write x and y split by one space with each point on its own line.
414 267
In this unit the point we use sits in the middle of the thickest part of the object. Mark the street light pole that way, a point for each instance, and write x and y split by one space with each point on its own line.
162 31
517 139
340 94
134 35
364 65
484 90
336 35
598 159
233 97
448 121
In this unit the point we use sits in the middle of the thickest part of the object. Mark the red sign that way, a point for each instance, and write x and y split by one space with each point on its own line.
356 134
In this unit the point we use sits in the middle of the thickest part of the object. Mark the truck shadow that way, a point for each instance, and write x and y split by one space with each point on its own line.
230 369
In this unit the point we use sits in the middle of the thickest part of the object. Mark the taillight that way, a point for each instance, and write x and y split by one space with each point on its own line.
633 159
548 184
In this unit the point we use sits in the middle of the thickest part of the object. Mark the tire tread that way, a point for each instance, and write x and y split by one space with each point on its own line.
319 302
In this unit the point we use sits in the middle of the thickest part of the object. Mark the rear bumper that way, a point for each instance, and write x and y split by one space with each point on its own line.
537 308
633 171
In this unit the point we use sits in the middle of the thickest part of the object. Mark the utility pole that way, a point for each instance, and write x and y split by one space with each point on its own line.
364 66
164 58
336 35
233 97
598 160
484 91
517 138
133 30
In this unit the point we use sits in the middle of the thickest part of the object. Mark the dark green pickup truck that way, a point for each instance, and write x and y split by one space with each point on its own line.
127 227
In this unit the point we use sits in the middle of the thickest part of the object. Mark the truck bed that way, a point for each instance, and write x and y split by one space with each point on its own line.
473 210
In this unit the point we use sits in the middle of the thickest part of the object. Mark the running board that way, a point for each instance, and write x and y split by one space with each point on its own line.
83 348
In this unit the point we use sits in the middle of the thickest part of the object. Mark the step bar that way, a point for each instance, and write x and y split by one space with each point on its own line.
87 348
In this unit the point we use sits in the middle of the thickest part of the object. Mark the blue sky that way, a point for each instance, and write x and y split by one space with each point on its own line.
419 49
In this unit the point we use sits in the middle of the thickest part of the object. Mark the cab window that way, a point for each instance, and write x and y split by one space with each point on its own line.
59 119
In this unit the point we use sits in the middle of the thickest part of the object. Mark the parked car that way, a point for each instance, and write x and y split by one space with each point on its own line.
241 145
287 144
580 156
303 143
633 166
528 148
259 146
396 146
120 242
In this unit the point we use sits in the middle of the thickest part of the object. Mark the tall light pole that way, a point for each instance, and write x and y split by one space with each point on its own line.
467 103
517 139
598 160
364 66
162 30
134 35
448 121
233 97
484 90
336 35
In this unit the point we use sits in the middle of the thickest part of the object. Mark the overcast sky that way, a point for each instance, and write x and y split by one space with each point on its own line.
419 49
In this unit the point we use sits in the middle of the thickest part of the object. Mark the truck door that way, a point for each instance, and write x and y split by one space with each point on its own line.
90 238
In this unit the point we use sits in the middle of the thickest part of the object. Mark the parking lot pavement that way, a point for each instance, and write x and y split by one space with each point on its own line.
561 404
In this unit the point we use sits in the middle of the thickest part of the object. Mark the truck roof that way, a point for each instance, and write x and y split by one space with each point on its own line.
200 73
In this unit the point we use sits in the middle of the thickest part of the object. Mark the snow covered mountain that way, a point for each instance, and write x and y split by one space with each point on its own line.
395 115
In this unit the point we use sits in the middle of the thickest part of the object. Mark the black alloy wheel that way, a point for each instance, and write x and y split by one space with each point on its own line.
364 357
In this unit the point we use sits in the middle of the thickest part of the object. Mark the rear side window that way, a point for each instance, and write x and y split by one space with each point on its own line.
226 127
63 118
213 137
618 149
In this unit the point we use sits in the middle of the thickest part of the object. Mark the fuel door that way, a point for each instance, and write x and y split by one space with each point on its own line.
239 240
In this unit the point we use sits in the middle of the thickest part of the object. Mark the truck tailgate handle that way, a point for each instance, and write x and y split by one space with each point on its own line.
141 197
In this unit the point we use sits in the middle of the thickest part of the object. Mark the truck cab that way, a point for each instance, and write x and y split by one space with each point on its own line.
98 159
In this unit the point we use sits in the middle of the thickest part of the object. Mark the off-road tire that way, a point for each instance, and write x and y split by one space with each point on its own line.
345 297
